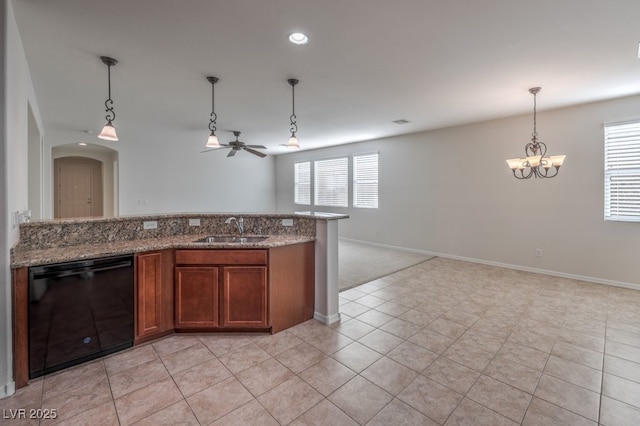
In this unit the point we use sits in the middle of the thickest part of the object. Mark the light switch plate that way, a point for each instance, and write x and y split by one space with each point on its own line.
287 222
194 222
150 224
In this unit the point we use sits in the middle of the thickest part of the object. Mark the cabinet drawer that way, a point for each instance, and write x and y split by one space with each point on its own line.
221 257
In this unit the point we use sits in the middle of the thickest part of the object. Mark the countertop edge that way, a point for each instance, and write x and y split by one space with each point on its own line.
27 258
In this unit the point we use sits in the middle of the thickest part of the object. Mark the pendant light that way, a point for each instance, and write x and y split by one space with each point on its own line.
108 131
293 140
212 142
535 164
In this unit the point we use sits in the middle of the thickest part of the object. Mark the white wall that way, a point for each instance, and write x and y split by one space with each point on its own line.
176 177
172 176
17 94
449 192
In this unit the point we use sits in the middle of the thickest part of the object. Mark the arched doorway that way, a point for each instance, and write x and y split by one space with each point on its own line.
78 188
85 181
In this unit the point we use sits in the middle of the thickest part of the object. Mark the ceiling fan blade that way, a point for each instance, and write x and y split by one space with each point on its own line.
254 152
231 153
222 146
256 146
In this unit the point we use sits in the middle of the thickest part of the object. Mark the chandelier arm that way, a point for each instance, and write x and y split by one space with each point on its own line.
522 175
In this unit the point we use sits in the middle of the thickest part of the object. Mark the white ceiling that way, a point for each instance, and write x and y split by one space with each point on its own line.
435 63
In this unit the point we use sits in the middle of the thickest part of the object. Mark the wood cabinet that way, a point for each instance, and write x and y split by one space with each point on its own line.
154 294
244 300
197 301
221 289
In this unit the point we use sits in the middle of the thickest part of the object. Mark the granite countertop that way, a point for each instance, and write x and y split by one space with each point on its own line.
23 258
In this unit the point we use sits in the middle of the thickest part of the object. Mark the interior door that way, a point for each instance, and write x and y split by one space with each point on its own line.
77 187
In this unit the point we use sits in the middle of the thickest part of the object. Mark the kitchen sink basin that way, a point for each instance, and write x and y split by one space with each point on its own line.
249 239
231 239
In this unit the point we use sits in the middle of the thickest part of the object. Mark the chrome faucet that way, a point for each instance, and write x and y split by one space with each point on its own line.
239 223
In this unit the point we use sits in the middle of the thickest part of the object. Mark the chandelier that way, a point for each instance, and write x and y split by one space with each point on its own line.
535 164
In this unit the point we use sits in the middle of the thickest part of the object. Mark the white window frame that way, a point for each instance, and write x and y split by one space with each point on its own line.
302 181
622 171
331 182
365 180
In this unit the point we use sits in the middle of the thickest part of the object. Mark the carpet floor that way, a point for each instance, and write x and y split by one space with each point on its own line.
360 263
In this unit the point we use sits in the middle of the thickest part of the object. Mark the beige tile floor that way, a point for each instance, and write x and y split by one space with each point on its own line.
443 342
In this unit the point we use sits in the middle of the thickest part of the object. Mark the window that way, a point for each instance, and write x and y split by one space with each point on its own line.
365 181
302 183
331 182
622 172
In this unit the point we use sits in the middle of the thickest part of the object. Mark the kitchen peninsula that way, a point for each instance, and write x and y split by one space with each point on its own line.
274 274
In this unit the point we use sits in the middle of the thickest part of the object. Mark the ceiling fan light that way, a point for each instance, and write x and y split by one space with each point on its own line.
108 132
213 142
293 143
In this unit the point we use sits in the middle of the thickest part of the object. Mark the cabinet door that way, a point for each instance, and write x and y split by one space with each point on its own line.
196 297
150 315
244 296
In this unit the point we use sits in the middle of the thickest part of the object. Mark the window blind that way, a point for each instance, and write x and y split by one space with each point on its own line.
622 172
302 183
365 181
331 182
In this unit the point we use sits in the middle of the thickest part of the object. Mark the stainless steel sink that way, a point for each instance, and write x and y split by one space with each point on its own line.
249 239
217 239
231 239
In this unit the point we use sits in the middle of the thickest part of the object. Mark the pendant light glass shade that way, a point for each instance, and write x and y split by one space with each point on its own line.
293 143
108 132
213 142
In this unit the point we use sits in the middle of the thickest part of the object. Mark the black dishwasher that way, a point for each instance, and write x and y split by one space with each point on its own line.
79 311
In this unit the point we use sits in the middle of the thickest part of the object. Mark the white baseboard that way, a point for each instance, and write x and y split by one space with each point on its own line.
595 280
387 246
8 389
326 319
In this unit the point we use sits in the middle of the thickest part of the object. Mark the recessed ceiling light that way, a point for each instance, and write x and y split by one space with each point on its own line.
401 121
298 38
82 143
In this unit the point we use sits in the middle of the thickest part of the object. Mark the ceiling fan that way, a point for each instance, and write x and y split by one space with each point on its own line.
238 145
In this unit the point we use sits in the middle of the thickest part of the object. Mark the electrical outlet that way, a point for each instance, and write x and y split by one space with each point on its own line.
194 222
287 222
150 224
538 252
15 219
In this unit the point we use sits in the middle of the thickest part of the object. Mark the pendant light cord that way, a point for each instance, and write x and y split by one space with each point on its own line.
111 115
294 126
214 117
